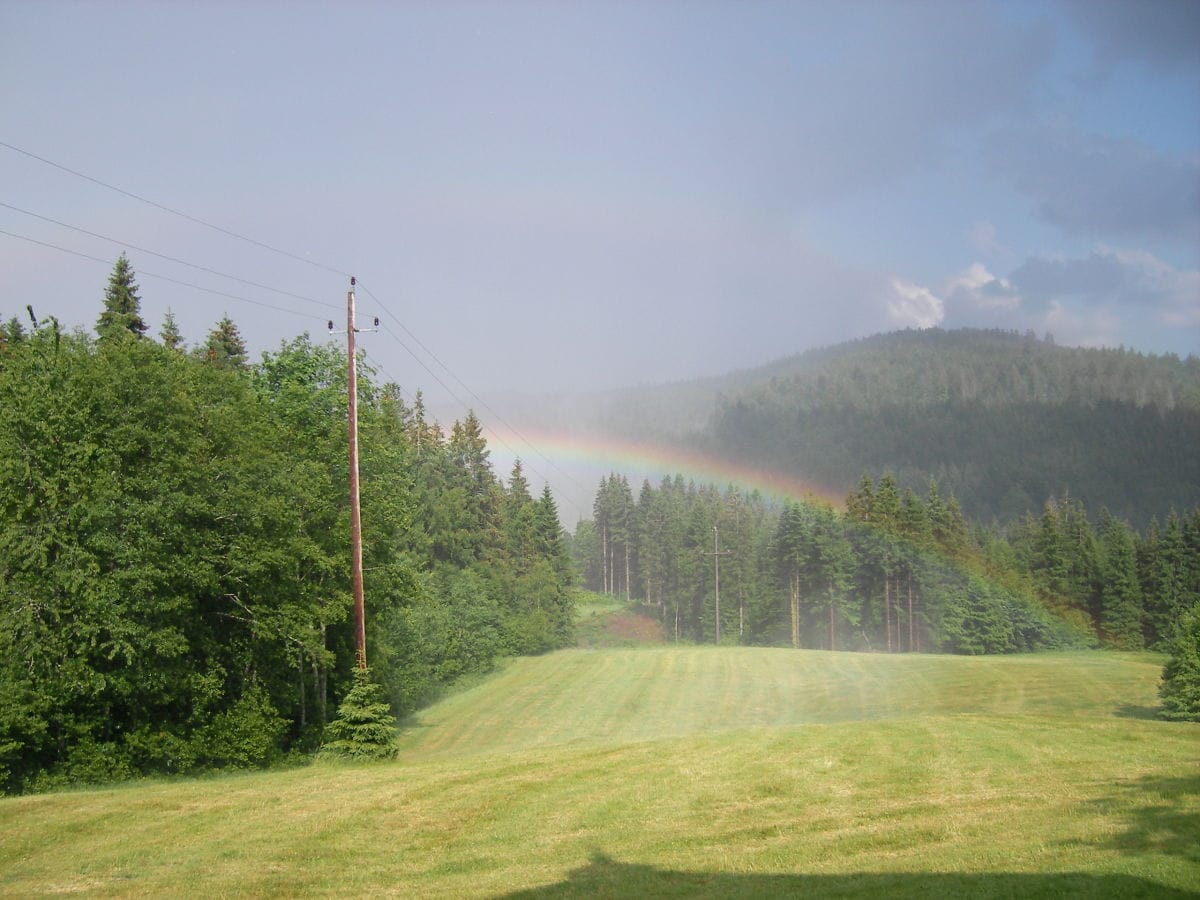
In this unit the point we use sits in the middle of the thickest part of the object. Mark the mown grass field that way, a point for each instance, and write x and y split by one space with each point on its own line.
668 771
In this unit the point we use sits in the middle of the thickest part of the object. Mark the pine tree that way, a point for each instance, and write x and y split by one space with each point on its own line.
1165 579
885 510
859 502
550 538
1120 593
1180 688
122 306
224 347
792 550
170 335
364 728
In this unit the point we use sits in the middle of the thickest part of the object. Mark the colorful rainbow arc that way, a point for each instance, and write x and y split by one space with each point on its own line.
651 460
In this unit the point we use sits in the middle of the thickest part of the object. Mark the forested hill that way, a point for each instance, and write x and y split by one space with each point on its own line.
989 368
1002 420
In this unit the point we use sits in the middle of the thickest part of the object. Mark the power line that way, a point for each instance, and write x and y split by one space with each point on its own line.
265 246
175 212
144 273
174 259
478 399
495 436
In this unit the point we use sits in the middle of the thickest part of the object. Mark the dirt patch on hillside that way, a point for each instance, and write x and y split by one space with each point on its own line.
626 628
635 628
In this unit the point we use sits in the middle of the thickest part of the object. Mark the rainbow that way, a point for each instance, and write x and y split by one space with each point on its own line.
543 452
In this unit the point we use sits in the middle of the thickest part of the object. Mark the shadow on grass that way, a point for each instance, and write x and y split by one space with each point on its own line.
1161 815
1132 711
604 877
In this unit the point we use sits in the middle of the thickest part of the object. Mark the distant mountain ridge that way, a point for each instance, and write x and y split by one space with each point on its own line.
992 367
1004 420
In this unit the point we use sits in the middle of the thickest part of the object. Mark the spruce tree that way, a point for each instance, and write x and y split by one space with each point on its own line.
365 727
1180 688
224 347
1120 593
169 333
122 305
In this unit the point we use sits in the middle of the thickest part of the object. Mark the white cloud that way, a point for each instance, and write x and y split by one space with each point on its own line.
980 289
911 304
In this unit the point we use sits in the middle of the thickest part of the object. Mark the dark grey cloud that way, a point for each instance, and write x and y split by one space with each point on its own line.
1099 186
1163 33
1101 277
1130 279
826 103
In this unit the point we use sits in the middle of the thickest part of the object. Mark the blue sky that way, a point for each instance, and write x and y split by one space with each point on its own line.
557 196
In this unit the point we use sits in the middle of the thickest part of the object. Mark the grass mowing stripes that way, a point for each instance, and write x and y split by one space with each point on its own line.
597 696
686 772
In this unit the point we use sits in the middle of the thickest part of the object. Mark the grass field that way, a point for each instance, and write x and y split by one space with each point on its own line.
685 772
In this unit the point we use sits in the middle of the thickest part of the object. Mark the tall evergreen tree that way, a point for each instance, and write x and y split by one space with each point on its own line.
1120 593
122 312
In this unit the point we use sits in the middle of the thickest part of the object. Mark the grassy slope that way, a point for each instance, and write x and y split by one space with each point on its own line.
697 772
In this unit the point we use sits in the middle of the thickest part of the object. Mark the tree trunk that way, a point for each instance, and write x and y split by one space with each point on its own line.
795 586
300 682
604 557
832 628
321 683
911 626
887 608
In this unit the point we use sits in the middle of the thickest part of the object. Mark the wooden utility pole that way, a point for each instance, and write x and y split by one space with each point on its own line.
356 567
356 573
716 555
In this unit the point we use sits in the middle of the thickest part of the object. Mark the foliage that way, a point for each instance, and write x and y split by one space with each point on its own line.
364 727
1180 689
174 552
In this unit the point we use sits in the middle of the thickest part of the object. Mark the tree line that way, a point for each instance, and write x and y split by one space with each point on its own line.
895 571
174 549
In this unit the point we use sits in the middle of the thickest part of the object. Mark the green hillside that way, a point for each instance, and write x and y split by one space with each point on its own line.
684 772
1000 419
